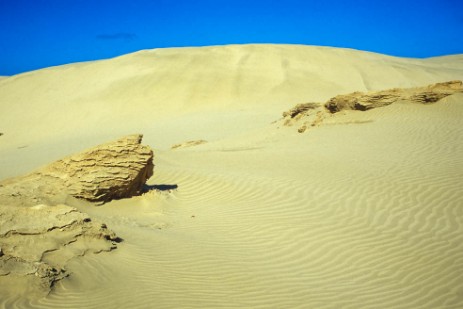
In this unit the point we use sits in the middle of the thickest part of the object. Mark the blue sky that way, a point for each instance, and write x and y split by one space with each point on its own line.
41 33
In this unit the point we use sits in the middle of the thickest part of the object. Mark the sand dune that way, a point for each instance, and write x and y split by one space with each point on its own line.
154 90
363 211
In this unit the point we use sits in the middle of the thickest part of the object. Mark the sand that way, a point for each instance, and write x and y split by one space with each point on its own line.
362 211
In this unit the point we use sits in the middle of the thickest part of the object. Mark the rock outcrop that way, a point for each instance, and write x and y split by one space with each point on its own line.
365 101
110 171
39 233
300 109
308 115
114 170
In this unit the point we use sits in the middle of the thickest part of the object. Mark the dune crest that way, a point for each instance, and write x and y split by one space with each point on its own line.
181 81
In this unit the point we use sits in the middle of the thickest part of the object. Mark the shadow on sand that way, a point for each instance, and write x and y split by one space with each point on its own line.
165 187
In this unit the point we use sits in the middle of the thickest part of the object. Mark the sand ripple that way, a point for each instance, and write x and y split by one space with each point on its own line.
380 228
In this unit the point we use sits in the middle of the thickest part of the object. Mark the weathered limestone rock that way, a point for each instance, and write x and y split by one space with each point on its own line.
110 171
362 101
39 234
305 115
300 109
309 115
365 101
428 97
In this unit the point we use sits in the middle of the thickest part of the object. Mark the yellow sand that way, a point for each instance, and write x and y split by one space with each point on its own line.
365 211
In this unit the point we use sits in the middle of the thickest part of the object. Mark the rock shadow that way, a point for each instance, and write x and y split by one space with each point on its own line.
162 188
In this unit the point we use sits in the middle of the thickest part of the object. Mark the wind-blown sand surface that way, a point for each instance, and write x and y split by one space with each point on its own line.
362 211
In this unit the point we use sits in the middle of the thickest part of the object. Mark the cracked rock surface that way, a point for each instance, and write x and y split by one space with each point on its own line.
39 233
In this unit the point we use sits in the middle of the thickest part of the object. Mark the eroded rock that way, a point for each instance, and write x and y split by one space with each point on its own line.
114 170
307 115
110 171
39 234
300 109
365 101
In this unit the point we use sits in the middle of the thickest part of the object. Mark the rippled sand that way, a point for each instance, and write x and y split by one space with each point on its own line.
364 211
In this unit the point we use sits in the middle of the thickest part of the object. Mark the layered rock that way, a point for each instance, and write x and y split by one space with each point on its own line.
365 101
308 115
39 234
300 109
311 114
114 170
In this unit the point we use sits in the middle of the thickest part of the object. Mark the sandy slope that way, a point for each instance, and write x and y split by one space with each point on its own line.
361 212
72 107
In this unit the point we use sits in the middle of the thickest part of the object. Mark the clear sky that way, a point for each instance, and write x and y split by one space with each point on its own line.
41 33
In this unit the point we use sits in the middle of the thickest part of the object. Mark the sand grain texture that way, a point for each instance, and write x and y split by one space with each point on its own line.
363 210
